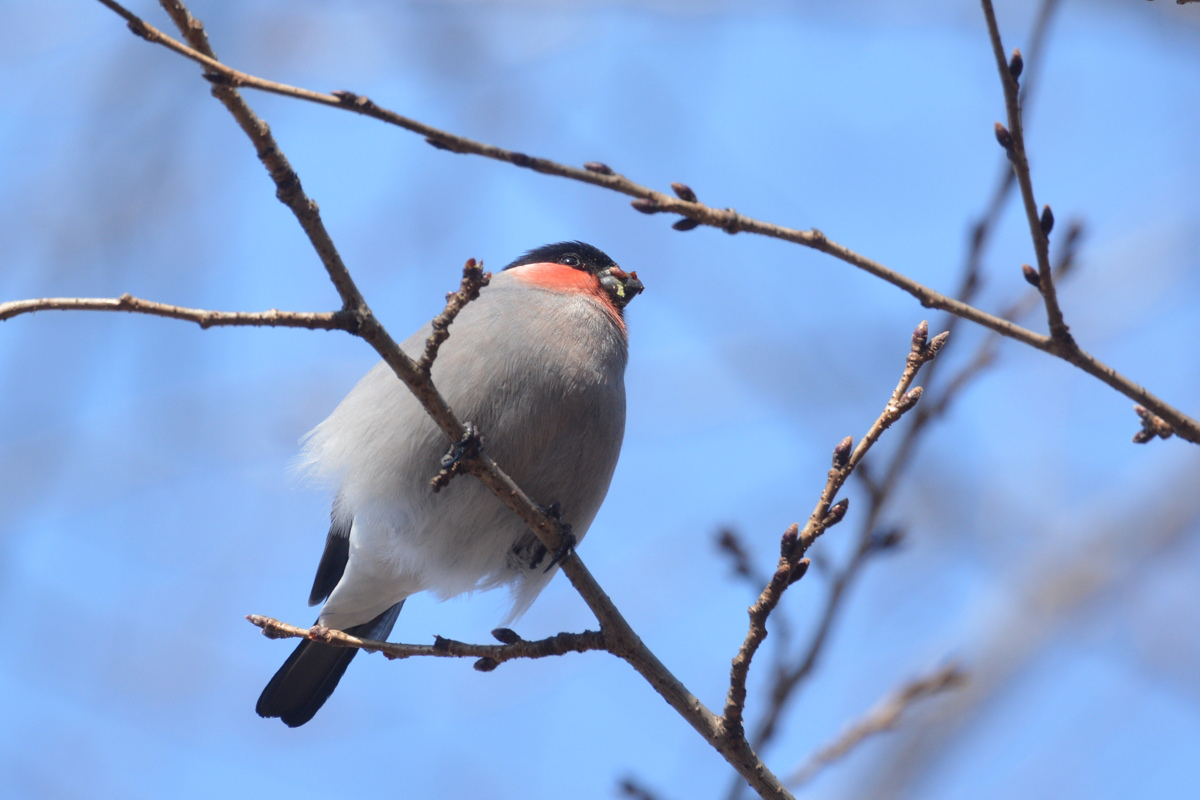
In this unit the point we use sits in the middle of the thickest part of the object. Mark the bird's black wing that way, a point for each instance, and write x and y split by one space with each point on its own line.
333 561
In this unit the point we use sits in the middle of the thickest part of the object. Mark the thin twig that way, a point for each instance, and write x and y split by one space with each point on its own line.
474 279
489 655
204 318
884 716
787 678
795 542
226 79
1013 140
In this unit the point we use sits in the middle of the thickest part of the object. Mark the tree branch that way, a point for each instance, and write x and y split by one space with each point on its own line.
226 80
1013 141
884 716
787 678
489 656
792 564
273 318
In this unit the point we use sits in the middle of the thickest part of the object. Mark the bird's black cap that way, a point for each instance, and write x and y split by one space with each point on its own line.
587 257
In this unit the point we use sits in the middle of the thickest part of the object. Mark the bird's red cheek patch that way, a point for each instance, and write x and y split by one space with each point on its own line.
561 278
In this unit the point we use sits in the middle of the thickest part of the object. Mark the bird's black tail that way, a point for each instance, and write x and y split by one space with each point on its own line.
312 671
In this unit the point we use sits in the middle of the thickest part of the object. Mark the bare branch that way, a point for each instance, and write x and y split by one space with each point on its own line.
489 656
884 716
227 79
272 318
474 279
1040 225
795 542
787 678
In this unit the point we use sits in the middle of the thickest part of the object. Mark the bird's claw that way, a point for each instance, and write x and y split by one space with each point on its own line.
566 546
464 450
567 540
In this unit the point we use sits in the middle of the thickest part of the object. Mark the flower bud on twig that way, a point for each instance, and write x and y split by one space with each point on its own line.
1016 64
800 571
684 192
506 635
836 512
920 335
909 400
1031 276
787 544
1004 138
939 342
1047 220
841 453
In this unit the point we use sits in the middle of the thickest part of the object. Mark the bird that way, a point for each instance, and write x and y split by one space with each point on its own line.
537 365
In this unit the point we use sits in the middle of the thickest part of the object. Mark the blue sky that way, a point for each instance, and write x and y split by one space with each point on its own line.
147 485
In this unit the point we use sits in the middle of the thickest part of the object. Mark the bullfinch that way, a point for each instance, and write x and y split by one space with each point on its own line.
537 364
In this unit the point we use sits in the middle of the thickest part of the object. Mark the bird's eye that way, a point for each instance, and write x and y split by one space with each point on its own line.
569 260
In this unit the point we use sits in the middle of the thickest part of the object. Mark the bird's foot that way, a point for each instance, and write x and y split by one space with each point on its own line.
461 452
567 540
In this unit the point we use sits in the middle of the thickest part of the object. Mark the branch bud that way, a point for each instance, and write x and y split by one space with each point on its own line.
646 205
909 400
1047 220
1004 138
1031 276
836 512
920 336
684 192
486 664
506 636
1016 64
841 453
787 544
1152 425
598 167
939 342
685 224
800 570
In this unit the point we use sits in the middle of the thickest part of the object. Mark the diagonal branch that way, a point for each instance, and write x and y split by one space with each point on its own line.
792 564
226 80
884 716
474 279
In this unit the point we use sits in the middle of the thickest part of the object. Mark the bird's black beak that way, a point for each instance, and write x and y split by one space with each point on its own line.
621 286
